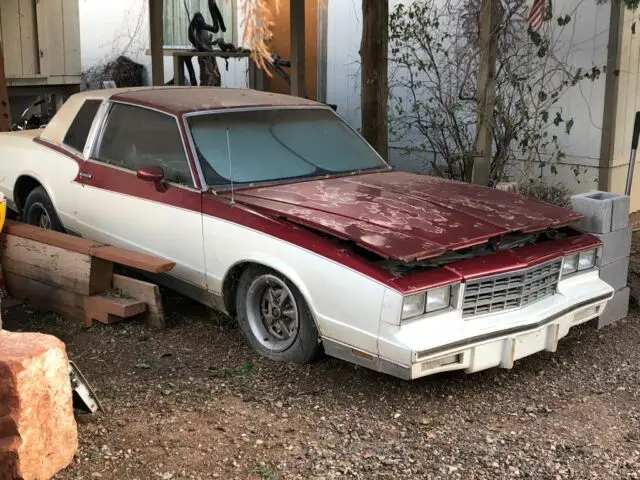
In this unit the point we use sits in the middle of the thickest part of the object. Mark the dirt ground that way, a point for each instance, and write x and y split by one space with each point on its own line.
195 402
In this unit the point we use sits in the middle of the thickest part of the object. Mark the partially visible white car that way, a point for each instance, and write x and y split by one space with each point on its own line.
277 212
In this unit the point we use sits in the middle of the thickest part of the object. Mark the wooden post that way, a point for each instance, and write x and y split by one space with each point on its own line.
5 111
156 41
297 28
489 22
375 89
178 69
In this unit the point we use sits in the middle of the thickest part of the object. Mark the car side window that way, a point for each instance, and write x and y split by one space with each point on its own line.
76 136
137 137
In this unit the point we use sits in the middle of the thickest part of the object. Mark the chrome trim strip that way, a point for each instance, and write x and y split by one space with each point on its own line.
222 111
194 153
96 129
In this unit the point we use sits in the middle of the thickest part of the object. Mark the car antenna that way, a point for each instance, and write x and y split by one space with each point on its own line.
233 201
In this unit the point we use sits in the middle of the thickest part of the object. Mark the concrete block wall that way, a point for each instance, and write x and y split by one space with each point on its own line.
606 215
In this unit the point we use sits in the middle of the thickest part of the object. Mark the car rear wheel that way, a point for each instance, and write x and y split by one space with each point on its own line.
39 211
274 318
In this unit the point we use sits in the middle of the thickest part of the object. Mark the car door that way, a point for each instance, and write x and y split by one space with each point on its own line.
117 207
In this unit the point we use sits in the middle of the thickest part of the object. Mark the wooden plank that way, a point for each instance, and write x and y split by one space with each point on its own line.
71 33
5 109
50 37
11 37
122 256
297 32
46 297
156 41
109 308
29 38
145 292
131 259
77 272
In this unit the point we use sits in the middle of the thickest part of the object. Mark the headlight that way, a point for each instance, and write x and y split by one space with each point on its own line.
570 264
586 260
413 305
438 298
579 262
430 301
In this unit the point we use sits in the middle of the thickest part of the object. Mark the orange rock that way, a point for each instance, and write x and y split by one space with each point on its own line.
38 432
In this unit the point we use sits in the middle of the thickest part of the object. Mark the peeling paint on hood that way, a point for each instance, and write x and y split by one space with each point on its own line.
405 216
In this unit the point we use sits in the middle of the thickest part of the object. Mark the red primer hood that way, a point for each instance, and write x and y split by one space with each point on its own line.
405 216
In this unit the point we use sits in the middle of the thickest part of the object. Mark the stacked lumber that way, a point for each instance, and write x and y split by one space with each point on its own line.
74 276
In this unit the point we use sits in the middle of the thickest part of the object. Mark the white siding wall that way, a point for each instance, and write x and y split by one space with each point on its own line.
585 41
121 27
628 103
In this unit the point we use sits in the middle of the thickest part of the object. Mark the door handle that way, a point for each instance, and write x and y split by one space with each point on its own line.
88 176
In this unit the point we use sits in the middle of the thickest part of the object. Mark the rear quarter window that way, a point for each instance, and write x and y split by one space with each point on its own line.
78 132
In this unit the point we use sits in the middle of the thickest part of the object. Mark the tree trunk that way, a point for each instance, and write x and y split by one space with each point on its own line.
489 23
375 89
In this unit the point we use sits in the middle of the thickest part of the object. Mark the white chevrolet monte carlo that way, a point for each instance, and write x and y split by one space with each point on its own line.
278 213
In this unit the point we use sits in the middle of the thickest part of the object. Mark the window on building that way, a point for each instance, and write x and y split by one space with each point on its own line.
176 20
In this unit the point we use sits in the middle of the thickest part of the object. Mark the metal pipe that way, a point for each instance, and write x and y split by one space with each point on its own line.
634 149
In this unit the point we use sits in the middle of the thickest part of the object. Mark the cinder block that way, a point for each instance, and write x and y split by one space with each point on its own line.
603 211
615 273
616 309
621 212
616 245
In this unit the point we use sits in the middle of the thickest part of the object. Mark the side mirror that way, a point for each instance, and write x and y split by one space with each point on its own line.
153 174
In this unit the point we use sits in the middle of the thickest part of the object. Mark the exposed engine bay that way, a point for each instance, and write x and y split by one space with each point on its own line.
494 245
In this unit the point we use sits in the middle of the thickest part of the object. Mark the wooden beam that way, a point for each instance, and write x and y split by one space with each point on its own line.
148 293
76 272
297 28
117 255
156 41
5 111
489 23
46 297
375 88
611 95
178 70
110 308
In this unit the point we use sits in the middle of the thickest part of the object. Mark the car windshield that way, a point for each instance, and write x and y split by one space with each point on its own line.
277 144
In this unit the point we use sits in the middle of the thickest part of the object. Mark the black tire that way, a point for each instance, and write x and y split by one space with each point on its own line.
307 345
37 205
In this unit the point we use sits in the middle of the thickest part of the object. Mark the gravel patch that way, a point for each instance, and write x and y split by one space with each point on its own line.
193 402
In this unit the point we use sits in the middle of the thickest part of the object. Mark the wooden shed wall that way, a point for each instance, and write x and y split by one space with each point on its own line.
41 41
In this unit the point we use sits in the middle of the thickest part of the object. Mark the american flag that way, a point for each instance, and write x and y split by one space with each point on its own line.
537 14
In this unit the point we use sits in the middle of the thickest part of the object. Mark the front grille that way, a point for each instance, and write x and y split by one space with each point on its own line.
510 290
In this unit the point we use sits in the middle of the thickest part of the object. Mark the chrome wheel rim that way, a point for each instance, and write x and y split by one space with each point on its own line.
40 216
272 313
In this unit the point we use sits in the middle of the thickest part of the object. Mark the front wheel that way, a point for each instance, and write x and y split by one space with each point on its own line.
274 318
39 211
